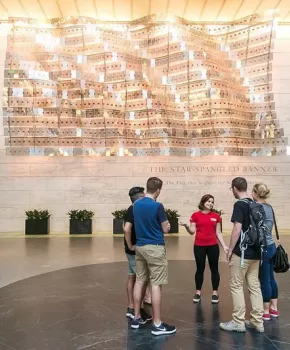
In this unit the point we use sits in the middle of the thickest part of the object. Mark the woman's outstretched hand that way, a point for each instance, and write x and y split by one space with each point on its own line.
181 223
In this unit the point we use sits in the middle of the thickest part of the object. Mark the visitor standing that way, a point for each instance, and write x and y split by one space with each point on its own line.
151 263
243 264
269 286
135 193
206 225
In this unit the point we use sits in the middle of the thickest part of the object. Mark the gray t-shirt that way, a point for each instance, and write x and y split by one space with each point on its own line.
269 221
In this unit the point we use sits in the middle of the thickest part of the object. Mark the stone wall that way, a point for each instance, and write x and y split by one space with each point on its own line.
101 184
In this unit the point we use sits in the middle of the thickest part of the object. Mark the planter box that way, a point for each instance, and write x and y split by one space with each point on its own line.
80 227
174 227
118 226
37 227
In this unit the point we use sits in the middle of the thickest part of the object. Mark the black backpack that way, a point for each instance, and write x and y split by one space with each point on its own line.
255 236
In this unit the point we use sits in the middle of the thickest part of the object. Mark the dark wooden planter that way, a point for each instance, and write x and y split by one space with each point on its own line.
37 227
174 227
118 226
80 227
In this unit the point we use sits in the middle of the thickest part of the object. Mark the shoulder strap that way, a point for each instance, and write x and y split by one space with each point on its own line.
275 224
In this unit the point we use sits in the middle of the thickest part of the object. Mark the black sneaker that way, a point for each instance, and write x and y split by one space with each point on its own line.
136 322
196 298
145 316
214 299
130 313
163 329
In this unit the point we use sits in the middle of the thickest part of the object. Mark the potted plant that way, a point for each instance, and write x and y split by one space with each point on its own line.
80 222
37 222
172 216
118 221
221 213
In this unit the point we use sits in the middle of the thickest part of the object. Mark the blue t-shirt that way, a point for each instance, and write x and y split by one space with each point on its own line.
148 217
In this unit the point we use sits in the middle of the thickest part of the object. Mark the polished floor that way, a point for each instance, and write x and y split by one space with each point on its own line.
68 293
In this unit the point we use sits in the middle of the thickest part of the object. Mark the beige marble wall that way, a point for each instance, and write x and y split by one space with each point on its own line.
101 184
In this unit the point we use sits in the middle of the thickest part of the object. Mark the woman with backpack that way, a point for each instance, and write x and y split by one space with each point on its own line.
206 224
269 286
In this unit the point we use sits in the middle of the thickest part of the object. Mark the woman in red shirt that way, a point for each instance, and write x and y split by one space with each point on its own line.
206 224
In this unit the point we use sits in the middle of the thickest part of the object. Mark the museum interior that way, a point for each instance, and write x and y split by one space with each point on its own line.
97 96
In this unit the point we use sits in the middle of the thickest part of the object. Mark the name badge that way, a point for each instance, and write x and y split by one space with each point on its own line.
213 219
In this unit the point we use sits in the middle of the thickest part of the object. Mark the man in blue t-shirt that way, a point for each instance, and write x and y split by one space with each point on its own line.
150 223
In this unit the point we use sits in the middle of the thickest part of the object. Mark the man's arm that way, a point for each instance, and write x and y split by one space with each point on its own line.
163 219
127 227
237 219
127 233
165 226
235 235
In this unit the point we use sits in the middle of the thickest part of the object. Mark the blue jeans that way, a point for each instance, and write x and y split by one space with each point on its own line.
266 274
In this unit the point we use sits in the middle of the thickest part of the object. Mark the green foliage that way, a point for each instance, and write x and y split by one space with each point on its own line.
37 214
172 214
220 212
119 214
80 214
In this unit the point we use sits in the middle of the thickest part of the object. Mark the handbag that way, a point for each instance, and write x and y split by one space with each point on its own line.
281 262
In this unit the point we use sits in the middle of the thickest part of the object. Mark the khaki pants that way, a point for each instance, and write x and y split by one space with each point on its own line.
250 271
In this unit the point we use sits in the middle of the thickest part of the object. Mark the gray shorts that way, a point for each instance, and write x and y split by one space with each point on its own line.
131 264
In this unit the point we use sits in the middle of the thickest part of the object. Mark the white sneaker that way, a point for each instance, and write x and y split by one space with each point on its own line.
258 328
232 326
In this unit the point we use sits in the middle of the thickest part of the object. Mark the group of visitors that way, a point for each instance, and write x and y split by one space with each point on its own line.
144 226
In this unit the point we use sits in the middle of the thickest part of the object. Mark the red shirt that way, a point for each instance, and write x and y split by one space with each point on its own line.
205 228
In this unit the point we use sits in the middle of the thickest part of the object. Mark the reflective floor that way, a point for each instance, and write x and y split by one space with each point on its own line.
76 299
29 256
